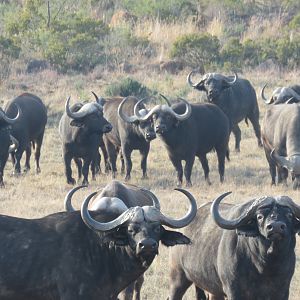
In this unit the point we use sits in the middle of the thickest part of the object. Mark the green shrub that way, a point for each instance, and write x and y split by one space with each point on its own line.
233 52
196 49
127 87
252 53
8 48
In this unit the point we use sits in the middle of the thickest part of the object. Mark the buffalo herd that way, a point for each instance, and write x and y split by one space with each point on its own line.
101 250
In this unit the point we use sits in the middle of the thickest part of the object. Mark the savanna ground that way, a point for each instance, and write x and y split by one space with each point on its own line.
247 174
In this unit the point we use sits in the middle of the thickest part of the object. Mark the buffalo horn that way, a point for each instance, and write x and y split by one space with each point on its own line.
9 120
189 80
68 199
287 201
187 112
154 199
264 97
14 146
234 79
86 109
187 219
100 100
166 99
281 160
124 117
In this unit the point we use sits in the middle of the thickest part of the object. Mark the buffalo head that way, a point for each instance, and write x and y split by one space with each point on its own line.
145 125
212 83
139 228
275 219
281 95
88 116
164 116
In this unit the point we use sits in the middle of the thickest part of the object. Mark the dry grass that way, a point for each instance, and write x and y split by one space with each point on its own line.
33 195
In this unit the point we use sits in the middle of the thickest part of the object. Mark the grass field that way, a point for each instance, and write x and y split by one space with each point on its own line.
32 195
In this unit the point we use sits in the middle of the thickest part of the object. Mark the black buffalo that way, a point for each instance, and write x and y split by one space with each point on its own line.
249 255
83 255
129 133
28 129
190 130
235 96
80 129
280 135
8 142
290 94
116 197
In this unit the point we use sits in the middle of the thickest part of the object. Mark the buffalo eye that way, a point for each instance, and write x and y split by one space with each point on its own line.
168 117
133 230
290 216
260 217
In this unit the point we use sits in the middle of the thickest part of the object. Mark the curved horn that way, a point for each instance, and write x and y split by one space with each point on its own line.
186 114
148 115
166 99
154 199
234 79
9 120
124 117
98 226
287 201
68 199
100 100
281 160
262 93
86 109
15 144
187 219
189 80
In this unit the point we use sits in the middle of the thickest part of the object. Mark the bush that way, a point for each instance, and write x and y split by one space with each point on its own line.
233 52
127 87
196 49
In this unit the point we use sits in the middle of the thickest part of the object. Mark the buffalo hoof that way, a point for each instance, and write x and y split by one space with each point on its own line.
188 184
38 170
260 144
85 182
71 181
179 184
237 150
26 169
127 177
208 182
145 177
1 184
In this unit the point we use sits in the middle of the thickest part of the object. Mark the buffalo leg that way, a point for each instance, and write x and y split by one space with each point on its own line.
188 170
18 157
144 155
237 134
272 167
112 156
105 157
137 288
200 295
27 161
68 170
122 163
178 167
205 167
78 163
282 175
221 153
178 284
254 119
97 163
2 165
13 158
85 170
37 153
128 163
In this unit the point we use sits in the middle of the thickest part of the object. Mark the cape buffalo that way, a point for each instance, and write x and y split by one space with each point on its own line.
80 129
190 130
8 142
235 96
83 255
290 94
249 255
116 197
280 135
129 133
28 129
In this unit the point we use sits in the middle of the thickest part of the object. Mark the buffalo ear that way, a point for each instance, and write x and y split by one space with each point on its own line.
200 86
77 123
297 226
225 84
248 230
117 237
172 238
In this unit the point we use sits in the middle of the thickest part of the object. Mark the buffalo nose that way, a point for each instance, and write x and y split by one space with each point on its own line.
160 128
278 227
147 245
107 128
150 135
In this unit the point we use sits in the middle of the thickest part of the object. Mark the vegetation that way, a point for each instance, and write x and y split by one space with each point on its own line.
77 36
